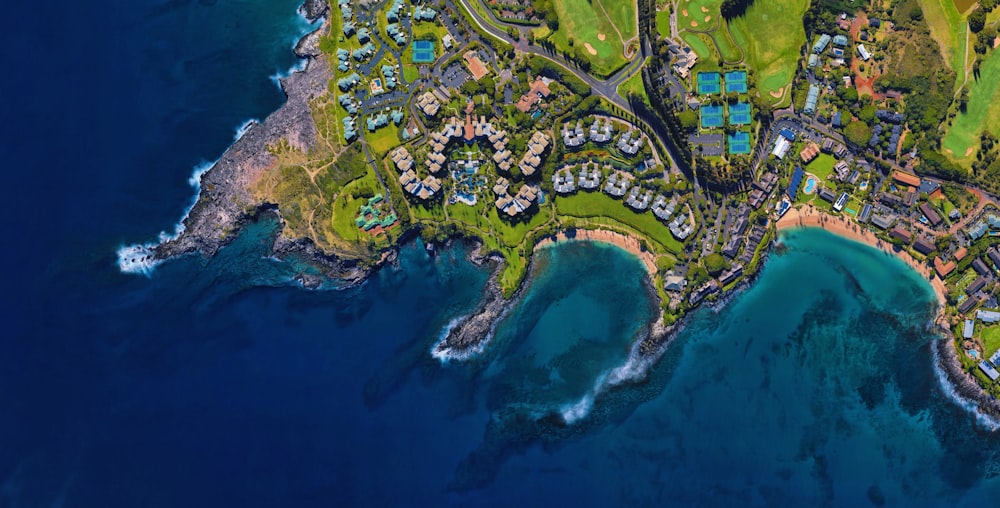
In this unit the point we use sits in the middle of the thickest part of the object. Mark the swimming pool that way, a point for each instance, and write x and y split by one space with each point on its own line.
810 185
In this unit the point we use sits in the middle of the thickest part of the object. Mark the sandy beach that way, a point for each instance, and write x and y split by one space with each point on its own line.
601 235
808 216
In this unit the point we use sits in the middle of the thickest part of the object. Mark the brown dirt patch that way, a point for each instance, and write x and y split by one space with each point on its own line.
590 49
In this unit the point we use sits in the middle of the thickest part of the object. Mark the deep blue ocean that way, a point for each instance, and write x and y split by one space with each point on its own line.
219 383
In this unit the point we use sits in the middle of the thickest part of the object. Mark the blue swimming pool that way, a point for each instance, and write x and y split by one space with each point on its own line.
810 185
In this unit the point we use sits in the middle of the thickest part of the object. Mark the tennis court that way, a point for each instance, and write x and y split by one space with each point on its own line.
709 83
423 52
736 81
739 114
711 116
739 143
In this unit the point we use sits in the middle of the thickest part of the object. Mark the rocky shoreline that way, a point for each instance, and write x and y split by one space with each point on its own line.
225 204
961 382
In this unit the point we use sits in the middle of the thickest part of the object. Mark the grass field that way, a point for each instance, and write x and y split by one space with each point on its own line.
633 85
771 34
822 166
983 112
586 22
596 204
949 28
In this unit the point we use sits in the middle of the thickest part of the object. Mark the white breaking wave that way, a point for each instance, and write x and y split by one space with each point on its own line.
578 411
971 407
140 258
244 128
446 354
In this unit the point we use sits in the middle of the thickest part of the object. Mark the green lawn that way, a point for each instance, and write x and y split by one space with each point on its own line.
822 166
983 112
771 34
382 140
633 85
600 205
663 23
991 340
586 23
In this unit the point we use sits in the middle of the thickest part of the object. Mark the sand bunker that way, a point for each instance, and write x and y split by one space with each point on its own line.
708 18
968 151
590 49
694 23
684 12
600 36
777 94
704 9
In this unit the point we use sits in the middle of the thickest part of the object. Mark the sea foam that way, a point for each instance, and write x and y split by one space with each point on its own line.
141 258
985 420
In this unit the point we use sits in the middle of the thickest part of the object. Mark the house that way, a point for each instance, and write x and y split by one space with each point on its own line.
874 23
841 151
863 52
428 104
883 221
811 100
988 369
810 152
840 40
994 256
447 41
709 288
968 328
538 91
731 275
781 147
924 246
988 316
900 233
866 213
930 214
976 286
827 195
942 268
980 267
821 43
475 65
674 283
890 116
906 179
842 170
837 121
827 146
813 61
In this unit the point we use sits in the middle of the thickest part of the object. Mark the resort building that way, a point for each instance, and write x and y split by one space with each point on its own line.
563 181
924 245
532 159
618 184
988 316
629 146
428 104
600 134
639 200
663 209
589 179
810 152
573 137
968 329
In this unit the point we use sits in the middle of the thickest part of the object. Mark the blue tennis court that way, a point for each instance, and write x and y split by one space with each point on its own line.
423 52
739 143
711 116
736 81
739 114
709 83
